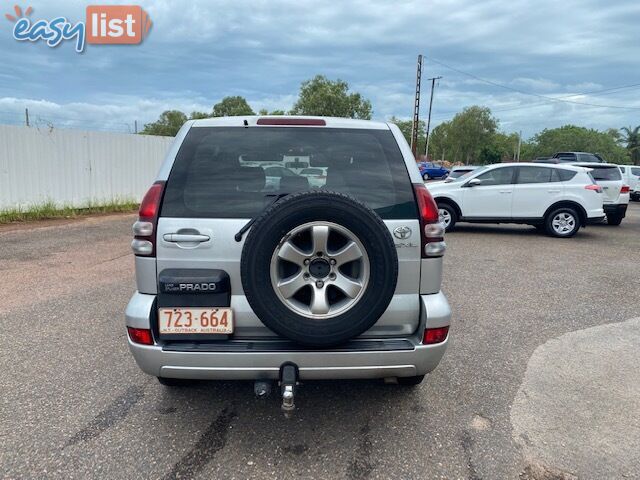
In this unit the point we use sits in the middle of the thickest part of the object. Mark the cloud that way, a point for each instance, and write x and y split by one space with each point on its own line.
201 51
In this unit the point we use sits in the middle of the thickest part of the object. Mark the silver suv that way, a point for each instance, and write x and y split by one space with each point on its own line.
339 279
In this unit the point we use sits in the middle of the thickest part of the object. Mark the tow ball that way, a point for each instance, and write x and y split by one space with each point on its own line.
288 384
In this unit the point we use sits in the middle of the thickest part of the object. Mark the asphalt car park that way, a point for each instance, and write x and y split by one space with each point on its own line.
539 380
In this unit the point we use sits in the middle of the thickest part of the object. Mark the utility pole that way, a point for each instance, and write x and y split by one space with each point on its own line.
519 143
26 116
135 126
416 109
433 85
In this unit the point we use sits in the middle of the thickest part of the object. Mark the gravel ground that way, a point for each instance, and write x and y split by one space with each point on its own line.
74 404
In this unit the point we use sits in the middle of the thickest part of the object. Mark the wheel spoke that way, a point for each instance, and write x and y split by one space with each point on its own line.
290 286
320 236
319 301
291 253
348 253
351 288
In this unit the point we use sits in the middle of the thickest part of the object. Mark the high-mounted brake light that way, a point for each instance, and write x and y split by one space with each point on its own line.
140 335
625 189
595 188
316 122
144 242
431 230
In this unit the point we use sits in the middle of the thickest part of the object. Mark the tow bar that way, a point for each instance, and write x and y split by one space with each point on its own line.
288 383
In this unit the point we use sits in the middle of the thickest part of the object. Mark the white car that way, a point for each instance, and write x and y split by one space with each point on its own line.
615 190
558 198
317 176
631 176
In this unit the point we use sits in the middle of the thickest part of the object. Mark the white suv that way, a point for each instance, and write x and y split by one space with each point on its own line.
631 176
615 190
557 198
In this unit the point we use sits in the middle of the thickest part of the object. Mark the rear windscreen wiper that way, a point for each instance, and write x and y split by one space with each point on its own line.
243 230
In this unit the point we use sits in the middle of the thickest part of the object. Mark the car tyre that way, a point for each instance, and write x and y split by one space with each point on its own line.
562 222
175 382
426 177
448 216
293 316
410 381
614 220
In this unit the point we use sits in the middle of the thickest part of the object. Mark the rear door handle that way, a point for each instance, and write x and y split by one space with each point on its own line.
185 237
553 191
505 191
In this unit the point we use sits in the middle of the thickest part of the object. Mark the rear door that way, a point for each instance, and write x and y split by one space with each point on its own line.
211 194
492 198
536 189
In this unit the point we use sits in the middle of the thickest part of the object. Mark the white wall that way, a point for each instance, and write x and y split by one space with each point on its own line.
74 167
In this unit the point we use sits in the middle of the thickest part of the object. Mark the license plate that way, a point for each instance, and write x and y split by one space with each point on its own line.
190 321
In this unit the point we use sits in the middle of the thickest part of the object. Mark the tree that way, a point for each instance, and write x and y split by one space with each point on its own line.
406 127
199 115
168 124
632 139
469 138
264 111
232 107
321 96
573 138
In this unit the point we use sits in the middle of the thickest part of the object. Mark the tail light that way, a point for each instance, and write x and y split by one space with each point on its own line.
144 242
431 230
625 189
435 335
140 335
595 188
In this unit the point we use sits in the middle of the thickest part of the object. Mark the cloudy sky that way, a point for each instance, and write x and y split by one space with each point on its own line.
514 56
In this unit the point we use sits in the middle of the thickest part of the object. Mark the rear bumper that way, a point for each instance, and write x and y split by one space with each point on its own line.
615 209
262 360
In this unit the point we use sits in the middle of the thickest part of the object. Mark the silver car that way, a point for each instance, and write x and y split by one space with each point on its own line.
237 281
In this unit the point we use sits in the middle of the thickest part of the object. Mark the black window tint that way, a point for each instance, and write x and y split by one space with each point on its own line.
212 178
497 176
587 157
566 175
606 173
534 175
459 173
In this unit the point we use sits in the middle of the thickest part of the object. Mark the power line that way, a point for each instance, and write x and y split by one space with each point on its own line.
523 92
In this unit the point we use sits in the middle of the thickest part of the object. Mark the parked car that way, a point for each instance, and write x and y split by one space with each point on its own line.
457 172
237 282
430 170
571 157
616 192
316 176
631 176
274 174
556 198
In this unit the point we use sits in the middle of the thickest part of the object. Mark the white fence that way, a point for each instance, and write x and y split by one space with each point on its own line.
74 167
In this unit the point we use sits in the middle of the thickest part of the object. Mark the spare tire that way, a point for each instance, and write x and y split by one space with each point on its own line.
319 268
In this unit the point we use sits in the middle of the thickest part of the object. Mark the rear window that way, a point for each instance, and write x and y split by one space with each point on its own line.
635 171
606 173
587 157
212 178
